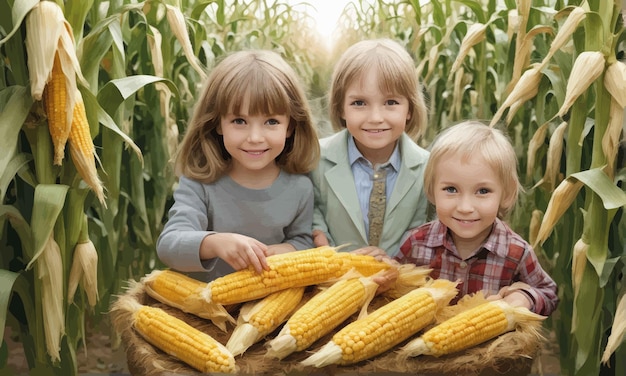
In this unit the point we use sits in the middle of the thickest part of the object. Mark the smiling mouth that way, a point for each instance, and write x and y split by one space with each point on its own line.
376 130
255 152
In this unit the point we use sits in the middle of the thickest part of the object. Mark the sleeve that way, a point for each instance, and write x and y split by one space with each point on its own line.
299 231
542 288
319 220
178 245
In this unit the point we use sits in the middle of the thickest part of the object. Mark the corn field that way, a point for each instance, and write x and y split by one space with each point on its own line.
551 72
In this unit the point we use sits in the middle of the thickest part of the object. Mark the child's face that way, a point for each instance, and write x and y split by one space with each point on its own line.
467 196
254 141
375 119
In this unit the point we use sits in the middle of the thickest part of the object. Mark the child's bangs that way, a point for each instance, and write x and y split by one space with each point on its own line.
392 78
261 92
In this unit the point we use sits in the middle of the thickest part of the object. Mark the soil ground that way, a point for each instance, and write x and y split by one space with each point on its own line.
104 356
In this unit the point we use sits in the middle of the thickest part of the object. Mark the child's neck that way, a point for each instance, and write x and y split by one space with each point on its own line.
255 179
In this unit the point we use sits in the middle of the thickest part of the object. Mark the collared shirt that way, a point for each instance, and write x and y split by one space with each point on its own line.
504 258
363 173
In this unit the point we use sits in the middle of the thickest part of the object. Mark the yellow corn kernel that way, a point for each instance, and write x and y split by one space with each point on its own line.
259 318
321 314
365 265
292 269
185 293
182 341
82 149
55 102
469 328
385 327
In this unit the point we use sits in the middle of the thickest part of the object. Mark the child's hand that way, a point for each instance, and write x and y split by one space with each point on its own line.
375 252
513 295
239 251
276 249
319 238
386 280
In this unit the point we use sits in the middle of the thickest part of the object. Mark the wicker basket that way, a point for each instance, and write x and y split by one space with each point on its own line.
510 354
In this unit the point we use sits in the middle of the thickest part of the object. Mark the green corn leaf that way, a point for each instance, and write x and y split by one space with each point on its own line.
15 103
612 196
19 10
48 202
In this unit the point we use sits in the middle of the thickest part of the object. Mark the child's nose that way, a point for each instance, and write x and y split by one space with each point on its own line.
376 115
255 134
465 205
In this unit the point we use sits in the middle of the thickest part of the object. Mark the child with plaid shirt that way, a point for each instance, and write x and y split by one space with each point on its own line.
471 178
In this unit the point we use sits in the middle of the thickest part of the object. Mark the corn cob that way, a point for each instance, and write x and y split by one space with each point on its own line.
385 327
365 265
59 118
258 319
82 149
293 269
185 293
469 328
321 314
181 340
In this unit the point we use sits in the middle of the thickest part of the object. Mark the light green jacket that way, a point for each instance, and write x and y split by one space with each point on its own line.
337 211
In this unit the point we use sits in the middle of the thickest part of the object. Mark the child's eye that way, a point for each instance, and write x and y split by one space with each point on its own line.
358 103
450 189
239 121
483 191
391 102
272 122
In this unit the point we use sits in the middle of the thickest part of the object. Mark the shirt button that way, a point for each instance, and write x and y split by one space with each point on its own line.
463 264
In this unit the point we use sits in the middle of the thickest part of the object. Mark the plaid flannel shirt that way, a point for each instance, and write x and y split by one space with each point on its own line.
504 258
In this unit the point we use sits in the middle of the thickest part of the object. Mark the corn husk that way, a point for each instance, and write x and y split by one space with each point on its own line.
575 17
535 143
526 88
84 156
611 139
615 82
553 160
535 223
579 263
84 271
561 199
176 19
588 66
49 270
617 330
475 34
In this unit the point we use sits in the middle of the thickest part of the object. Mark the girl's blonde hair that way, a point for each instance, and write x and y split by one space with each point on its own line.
471 138
272 87
396 74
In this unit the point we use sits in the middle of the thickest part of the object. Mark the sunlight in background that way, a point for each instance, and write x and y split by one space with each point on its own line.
325 14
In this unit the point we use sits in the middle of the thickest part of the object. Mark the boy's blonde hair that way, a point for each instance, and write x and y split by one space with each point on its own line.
272 87
471 138
396 74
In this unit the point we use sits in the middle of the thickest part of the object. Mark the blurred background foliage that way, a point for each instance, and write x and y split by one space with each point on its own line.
144 63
